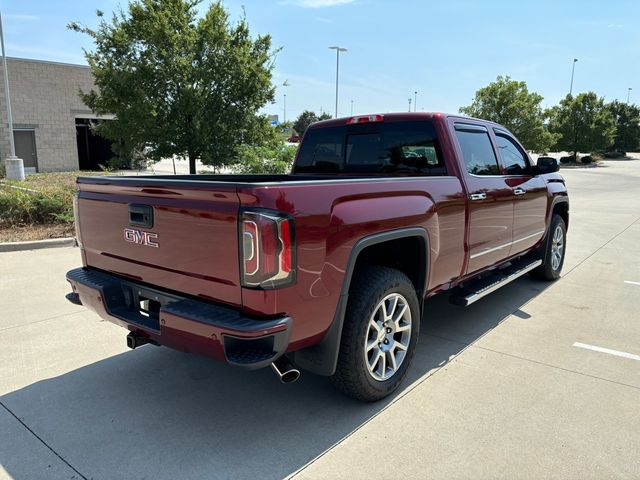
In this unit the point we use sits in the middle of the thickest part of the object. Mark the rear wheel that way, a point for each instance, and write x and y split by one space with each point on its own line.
553 251
379 336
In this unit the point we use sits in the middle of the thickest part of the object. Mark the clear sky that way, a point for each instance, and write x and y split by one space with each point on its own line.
444 50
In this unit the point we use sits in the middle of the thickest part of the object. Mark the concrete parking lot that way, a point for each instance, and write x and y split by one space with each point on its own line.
514 386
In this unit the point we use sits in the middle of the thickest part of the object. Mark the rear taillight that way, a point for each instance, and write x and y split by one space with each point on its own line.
76 216
268 249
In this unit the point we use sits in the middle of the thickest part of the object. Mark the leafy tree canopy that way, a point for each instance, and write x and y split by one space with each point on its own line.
306 118
178 84
627 121
509 103
582 123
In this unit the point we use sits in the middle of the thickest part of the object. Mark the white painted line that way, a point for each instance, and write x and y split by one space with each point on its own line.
617 353
631 283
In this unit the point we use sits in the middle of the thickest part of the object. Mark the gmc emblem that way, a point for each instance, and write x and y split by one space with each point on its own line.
141 238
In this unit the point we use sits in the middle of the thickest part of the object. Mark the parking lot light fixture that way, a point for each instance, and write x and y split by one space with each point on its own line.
338 50
573 69
629 94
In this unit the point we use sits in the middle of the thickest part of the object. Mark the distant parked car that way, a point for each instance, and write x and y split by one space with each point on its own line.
294 139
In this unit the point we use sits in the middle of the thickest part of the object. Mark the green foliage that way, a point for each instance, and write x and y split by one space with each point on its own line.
266 159
22 207
582 123
627 122
509 103
306 118
179 84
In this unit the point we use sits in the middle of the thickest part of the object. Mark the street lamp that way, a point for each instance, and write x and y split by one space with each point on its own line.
628 94
409 104
285 84
351 107
338 50
415 101
573 68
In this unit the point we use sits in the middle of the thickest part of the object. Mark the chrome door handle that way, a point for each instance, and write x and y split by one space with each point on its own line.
477 196
519 191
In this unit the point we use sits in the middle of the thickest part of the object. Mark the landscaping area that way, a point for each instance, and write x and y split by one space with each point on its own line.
38 208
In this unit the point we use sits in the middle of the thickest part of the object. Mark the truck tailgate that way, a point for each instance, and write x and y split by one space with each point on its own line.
189 245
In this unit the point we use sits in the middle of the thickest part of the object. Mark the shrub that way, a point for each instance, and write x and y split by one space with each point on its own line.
265 159
19 206
587 159
566 160
615 154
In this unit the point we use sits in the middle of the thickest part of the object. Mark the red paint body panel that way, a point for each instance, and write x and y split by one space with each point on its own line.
196 220
197 236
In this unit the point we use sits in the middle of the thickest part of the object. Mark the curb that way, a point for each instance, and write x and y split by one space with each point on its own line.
37 244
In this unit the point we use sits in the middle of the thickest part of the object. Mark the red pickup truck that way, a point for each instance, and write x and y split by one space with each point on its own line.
324 269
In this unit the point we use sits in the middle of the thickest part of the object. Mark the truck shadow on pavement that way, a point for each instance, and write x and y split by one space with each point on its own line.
157 413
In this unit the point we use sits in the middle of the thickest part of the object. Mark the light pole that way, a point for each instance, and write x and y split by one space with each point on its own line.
285 84
573 68
338 50
415 101
409 104
628 94
14 165
351 107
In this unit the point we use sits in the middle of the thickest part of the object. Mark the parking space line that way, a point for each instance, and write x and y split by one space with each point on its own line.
631 283
616 353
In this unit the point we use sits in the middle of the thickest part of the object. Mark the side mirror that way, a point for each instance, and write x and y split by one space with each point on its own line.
547 165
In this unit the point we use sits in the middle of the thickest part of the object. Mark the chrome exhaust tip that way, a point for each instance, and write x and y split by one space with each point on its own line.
285 370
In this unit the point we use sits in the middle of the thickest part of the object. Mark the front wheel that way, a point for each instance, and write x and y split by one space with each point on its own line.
553 251
379 336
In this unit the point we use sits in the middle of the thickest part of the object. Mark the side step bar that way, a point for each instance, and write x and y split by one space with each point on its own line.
476 289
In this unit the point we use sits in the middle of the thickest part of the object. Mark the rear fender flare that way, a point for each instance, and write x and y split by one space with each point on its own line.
322 358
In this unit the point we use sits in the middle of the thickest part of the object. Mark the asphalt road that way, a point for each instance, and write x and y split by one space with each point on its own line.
497 390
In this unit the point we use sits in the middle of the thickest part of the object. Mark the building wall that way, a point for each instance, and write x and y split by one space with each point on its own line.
44 95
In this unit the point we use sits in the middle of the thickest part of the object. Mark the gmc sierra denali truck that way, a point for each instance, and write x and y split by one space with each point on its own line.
324 269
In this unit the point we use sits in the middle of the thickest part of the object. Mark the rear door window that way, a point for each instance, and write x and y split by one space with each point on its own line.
392 148
479 157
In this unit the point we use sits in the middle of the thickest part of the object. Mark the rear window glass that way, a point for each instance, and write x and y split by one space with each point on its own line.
385 148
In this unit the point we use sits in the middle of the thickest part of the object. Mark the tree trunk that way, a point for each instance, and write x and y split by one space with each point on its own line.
192 163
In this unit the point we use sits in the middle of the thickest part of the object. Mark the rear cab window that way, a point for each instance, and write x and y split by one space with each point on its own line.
389 148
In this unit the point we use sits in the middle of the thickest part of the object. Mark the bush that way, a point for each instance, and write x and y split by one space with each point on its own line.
265 159
587 159
615 154
566 160
19 206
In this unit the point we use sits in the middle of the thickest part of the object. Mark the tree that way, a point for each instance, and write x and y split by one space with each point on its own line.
627 122
509 103
306 118
582 123
178 84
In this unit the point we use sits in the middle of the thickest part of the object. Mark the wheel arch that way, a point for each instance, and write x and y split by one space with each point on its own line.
561 207
322 358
